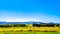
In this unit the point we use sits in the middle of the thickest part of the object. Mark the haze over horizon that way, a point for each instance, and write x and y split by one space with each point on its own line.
30 10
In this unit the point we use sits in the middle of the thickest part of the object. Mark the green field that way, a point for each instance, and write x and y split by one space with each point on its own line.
28 32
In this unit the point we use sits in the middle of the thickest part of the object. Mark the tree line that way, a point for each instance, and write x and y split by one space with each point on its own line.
33 25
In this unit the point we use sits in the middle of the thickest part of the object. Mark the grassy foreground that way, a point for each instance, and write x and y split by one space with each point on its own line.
29 32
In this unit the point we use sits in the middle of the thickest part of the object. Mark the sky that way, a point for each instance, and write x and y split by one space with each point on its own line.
30 10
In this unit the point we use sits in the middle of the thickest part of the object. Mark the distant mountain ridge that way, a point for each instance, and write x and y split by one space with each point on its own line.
30 22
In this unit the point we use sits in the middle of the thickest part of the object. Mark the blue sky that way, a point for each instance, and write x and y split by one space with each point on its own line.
30 10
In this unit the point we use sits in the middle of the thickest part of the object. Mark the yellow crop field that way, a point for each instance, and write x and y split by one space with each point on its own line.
31 28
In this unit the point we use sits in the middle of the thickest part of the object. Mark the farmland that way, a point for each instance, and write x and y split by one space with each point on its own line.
30 30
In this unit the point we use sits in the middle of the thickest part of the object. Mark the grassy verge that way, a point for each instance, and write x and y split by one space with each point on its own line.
28 32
